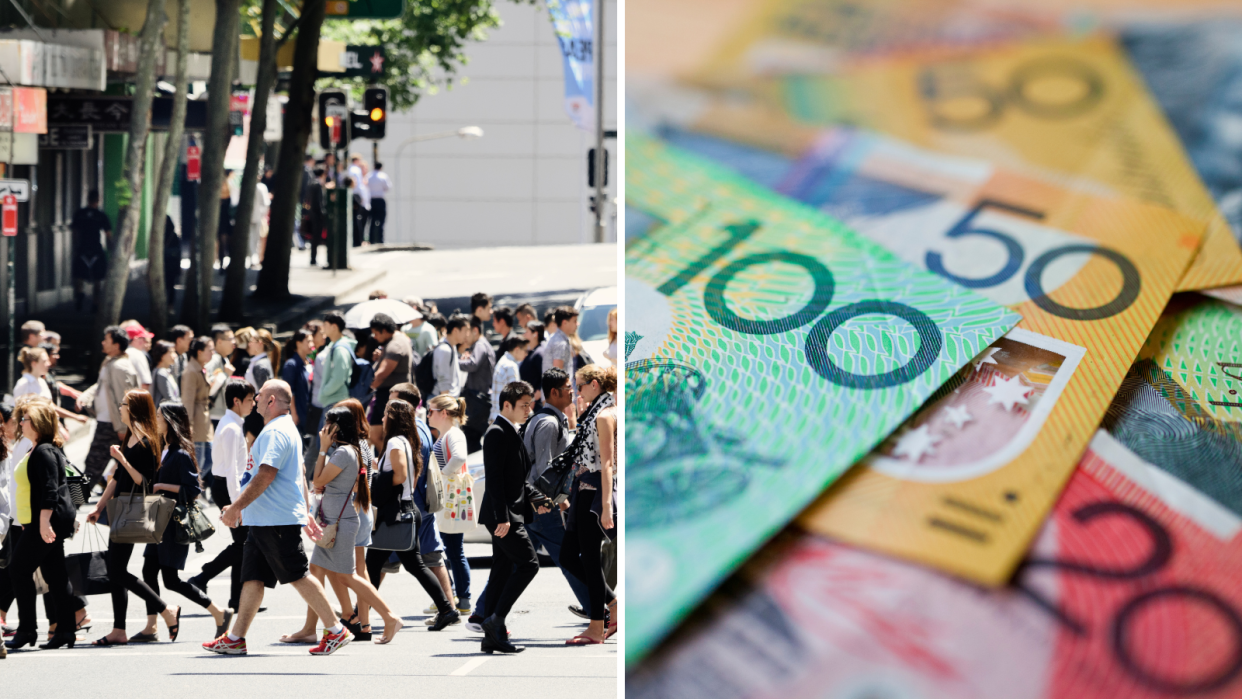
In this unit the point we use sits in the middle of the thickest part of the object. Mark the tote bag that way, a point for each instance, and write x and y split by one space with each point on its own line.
459 515
135 519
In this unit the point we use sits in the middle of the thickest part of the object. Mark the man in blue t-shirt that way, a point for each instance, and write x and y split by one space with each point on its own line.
273 503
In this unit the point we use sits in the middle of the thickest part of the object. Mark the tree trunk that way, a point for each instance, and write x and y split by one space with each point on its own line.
135 158
215 142
235 281
274 277
168 169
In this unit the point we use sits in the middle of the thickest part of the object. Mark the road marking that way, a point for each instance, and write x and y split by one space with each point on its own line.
470 665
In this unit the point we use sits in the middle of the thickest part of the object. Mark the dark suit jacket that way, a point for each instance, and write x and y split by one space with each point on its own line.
48 488
507 497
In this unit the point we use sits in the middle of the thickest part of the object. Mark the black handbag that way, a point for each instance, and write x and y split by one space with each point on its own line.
192 526
399 535
88 570
7 545
558 478
78 485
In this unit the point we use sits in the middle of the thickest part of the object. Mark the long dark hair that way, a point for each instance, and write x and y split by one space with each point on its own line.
178 435
291 347
400 423
142 419
347 433
360 417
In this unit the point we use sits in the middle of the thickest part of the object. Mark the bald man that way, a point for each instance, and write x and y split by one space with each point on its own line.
274 504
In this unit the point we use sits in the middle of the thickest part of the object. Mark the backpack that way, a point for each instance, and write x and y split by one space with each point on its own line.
425 376
360 380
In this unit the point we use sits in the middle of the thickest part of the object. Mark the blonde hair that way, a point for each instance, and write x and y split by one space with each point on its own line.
29 355
455 408
607 378
612 334
43 419
242 336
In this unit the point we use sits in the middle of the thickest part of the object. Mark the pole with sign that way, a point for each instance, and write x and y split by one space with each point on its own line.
193 163
12 192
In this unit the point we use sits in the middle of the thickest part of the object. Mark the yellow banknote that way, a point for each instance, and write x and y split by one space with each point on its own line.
966 483
1050 106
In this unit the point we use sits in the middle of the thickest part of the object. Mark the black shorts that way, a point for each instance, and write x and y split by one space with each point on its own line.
274 554
375 416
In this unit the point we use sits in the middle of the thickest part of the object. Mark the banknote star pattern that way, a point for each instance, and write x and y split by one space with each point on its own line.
958 415
1008 392
985 358
916 443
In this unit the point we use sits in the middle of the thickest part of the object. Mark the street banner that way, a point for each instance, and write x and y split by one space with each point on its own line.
571 19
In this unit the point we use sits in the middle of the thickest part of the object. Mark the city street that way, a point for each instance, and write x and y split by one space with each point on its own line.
418 661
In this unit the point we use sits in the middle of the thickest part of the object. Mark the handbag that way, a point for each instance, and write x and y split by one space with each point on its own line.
558 478
192 526
88 570
398 535
437 488
139 520
459 516
78 485
328 539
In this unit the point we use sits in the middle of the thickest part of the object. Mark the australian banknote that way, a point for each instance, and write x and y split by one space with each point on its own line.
768 348
1130 589
1088 272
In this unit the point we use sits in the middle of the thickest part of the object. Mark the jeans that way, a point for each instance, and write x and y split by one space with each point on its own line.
455 556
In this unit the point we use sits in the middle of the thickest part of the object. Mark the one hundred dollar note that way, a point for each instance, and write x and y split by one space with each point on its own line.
1051 107
768 348
965 484
1130 590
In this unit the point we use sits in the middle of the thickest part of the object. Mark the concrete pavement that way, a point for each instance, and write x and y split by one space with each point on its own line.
447 663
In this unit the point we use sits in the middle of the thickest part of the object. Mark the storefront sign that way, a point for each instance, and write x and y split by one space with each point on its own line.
76 137
109 114
29 110
362 62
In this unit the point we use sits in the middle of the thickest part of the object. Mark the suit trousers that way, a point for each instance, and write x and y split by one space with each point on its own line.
379 214
514 565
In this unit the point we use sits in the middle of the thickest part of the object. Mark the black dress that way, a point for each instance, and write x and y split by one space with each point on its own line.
176 469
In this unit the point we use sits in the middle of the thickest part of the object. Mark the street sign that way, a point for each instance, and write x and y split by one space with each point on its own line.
362 62
111 113
77 137
9 215
20 189
364 9
193 163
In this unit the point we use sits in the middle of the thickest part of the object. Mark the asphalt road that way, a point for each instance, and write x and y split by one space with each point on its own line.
418 662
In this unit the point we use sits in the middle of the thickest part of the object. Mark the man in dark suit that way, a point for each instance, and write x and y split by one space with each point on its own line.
508 504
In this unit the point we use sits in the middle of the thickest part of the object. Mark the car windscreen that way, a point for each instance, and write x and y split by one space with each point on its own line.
593 323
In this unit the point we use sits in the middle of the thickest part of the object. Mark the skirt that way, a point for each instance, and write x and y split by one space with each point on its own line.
365 525
339 558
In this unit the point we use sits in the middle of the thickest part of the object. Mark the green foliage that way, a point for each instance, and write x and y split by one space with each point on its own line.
424 49
124 194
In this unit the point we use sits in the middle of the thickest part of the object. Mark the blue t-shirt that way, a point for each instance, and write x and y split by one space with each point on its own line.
280 446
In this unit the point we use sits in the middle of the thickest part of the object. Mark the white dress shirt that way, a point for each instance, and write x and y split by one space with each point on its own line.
228 452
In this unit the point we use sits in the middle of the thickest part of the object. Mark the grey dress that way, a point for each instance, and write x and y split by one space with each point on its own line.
338 493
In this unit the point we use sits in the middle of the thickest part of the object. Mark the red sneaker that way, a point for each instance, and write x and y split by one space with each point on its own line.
224 646
332 642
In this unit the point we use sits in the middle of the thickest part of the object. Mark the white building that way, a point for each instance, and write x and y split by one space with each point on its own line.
525 181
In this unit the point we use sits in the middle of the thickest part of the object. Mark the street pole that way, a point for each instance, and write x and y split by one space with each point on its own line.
12 245
597 54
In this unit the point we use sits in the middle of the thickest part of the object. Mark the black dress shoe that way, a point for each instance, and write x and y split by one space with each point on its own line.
60 640
22 638
496 638
445 617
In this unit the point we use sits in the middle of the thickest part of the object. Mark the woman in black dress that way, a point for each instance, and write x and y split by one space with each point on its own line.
135 472
177 478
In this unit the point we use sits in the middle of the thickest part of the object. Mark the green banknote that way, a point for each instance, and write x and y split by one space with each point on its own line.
768 348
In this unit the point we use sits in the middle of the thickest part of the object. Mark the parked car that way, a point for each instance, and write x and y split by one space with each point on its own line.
593 309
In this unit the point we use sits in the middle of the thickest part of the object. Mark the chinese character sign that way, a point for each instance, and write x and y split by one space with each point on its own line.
574 29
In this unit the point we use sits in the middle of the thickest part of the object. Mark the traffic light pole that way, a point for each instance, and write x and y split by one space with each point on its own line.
597 53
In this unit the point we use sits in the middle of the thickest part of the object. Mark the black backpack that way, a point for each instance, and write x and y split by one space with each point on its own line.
425 376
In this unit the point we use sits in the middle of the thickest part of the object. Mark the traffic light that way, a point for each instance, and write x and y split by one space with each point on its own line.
591 168
360 125
375 104
333 113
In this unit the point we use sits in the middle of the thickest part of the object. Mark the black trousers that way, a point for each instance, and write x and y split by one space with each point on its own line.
7 596
412 560
230 557
379 214
33 553
152 571
124 582
514 566
580 554
360 224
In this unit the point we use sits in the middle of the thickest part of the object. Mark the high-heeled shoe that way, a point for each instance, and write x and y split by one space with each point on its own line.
60 640
22 638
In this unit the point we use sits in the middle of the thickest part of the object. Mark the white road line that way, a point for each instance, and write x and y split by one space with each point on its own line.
470 665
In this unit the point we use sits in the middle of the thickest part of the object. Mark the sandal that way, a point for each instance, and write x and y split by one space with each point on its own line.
174 629
582 640
144 638
104 643
354 627
363 633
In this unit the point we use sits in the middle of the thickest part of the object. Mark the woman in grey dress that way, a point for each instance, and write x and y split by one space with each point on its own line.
337 477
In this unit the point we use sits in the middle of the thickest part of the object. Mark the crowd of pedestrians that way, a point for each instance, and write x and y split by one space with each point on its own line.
357 439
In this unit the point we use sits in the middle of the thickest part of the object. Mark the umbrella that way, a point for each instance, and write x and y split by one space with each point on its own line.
360 316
